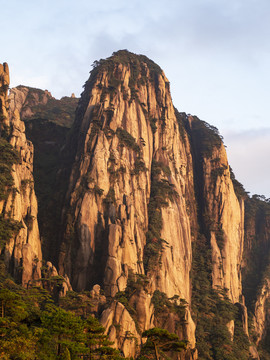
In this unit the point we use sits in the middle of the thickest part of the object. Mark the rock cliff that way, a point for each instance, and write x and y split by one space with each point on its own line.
222 211
129 186
18 202
143 205
132 205
256 272
47 122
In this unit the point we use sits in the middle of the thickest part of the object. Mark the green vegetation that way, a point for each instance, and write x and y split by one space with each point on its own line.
217 172
8 157
165 306
161 191
32 326
153 124
109 133
5 129
181 120
238 187
128 58
60 112
160 342
97 190
87 185
257 247
213 310
3 89
135 283
139 76
79 303
206 137
264 346
110 197
139 166
128 140
159 168
219 232
8 228
26 182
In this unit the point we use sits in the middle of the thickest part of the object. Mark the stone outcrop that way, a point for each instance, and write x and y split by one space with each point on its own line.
223 212
4 84
128 134
261 311
25 99
23 251
47 121
256 279
121 329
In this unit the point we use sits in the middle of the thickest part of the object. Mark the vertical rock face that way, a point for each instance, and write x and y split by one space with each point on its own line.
23 250
121 329
111 180
222 211
256 274
261 311
47 121
127 209
228 236
4 83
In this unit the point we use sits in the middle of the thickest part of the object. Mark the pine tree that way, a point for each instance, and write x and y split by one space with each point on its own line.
159 342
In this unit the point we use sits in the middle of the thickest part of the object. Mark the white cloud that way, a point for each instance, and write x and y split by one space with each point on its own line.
249 154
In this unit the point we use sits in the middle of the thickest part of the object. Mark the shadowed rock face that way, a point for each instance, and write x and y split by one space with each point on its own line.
47 122
23 251
222 212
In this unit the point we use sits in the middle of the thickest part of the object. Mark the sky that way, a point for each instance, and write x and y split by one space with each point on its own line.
215 53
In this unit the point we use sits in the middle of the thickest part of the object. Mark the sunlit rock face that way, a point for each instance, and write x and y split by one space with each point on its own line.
145 181
23 251
131 205
128 142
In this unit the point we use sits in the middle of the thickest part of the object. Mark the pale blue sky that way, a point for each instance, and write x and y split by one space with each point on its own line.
215 53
